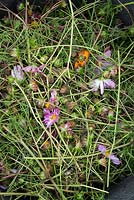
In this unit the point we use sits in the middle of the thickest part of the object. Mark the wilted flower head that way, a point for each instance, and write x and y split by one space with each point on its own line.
102 60
109 155
53 98
105 65
53 101
68 126
97 84
17 72
50 117
33 69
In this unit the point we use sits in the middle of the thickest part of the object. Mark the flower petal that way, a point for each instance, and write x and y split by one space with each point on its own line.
95 84
107 52
101 87
32 69
114 159
108 83
53 96
46 111
102 148
17 72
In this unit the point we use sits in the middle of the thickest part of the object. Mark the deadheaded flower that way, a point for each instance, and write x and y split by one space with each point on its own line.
97 84
50 117
109 155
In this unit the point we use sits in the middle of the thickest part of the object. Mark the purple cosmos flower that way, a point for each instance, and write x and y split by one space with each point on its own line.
50 117
101 84
17 72
107 154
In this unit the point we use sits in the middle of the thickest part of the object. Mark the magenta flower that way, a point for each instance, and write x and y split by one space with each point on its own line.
50 117
17 72
97 84
109 155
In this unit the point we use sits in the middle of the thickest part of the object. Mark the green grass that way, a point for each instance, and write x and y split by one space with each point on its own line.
69 167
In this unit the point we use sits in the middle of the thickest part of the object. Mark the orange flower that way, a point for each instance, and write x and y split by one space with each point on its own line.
82 58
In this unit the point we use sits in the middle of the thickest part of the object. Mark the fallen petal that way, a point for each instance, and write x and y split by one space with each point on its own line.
114 159
108 83
102 148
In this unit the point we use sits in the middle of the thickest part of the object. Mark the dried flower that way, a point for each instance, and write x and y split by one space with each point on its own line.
34 85
64 89
46 144
109 155
103 162
101 84
71 105
50 117
17 72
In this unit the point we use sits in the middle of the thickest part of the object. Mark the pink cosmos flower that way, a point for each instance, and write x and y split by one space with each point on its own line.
50 117
17 72
101 84
107 154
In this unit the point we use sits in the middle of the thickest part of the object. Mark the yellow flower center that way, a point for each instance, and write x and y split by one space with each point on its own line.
48 105
53 117
107 154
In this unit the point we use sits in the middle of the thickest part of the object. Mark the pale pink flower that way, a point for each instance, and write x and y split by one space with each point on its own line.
33 69
17 72
97 84
107 52
50 117
68 128
53 98
109 155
